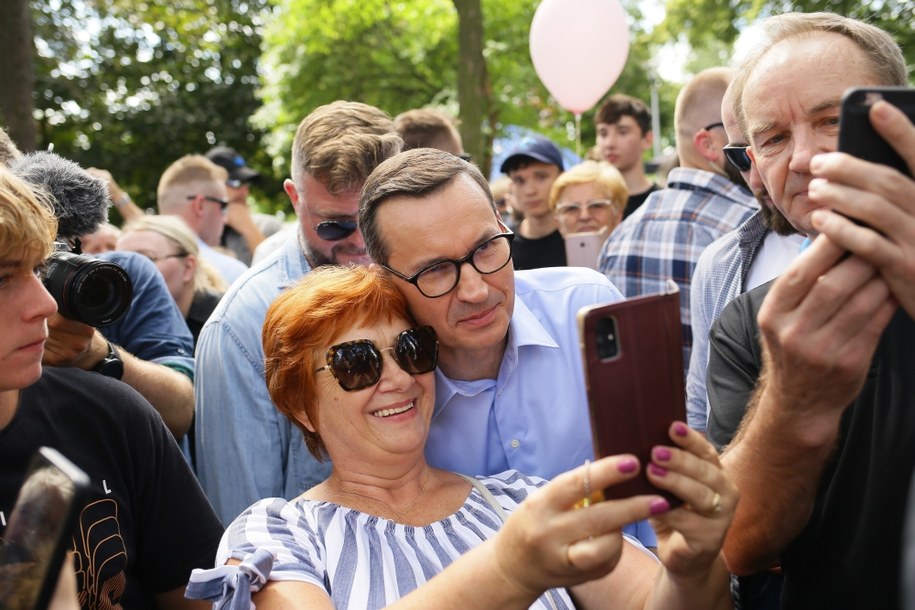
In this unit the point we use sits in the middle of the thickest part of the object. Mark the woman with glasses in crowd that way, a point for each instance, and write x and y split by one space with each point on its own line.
168 242
589 197
346 363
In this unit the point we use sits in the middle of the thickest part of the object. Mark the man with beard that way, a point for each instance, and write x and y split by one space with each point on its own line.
704 199
336 147
752 254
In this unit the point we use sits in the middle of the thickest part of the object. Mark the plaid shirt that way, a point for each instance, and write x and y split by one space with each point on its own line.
719 277
663 239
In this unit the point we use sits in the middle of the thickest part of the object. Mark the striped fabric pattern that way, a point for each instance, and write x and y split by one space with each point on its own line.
364 561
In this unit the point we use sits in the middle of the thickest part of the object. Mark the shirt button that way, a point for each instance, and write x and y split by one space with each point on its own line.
515 443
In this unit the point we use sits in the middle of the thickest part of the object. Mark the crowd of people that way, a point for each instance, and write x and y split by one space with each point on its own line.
384 402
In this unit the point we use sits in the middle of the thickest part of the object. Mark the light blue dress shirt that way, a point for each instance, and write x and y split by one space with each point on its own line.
246 449
534 417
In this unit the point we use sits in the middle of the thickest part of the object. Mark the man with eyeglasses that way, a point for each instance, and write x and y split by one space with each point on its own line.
752 254
510 387
703 200
194 189
335 149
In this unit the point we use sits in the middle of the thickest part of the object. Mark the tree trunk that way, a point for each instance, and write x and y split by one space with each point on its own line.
17 74
474 92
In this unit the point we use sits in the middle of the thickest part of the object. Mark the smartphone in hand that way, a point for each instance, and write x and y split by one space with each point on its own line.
583 249
857 136
39 530
633 360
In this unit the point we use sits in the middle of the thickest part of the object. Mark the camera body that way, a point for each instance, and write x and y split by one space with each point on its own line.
89 290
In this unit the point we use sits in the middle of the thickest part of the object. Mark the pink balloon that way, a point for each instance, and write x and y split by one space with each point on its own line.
579 49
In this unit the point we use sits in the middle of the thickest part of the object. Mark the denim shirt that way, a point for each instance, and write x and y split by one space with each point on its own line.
246 449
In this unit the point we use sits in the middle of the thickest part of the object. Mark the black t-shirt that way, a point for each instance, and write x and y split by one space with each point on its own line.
548 251
147 523
637 199
848 555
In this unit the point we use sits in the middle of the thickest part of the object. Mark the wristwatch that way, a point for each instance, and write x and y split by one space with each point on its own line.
111 365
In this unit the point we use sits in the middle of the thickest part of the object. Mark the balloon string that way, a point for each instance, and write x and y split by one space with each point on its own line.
578 134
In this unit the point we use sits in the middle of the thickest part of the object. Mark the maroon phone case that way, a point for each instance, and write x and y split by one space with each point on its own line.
635 394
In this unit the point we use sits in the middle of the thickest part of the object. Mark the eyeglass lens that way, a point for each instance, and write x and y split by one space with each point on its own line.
488 257
335 230
574 209
357 364
738 157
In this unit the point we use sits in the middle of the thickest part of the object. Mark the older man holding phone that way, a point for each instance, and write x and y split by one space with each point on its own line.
826 451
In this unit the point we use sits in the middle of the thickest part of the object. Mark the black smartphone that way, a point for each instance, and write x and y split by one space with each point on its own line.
857 136
633 357
39 530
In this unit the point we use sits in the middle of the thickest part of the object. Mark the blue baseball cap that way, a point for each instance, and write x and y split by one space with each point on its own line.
536 148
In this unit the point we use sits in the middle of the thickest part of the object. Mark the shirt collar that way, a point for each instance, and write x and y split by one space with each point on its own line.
524 330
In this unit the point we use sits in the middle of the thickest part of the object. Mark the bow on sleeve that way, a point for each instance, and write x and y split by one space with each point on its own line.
230 587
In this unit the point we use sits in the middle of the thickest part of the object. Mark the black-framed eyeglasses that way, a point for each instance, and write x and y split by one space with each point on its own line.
223 203
335 230
357 364
572 209
738 157
712 126
440 278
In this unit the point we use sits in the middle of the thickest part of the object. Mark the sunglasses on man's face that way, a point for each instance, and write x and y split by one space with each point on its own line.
335 230
738 157
357 364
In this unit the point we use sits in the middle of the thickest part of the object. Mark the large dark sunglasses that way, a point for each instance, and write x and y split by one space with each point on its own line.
357 364
738 157
335 230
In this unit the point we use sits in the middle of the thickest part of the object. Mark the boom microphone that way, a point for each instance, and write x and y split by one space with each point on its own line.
80 200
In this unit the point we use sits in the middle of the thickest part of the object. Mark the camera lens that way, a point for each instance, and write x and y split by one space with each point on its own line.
88 290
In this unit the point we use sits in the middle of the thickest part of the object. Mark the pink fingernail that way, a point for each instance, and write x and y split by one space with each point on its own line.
657 470
627 465
662 454
681 429
658 506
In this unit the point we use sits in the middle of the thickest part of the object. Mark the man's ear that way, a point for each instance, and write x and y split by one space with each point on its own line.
705 145
195 207
647 140
293 193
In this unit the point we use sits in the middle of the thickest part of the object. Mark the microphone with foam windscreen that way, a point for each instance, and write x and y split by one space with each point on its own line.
80 199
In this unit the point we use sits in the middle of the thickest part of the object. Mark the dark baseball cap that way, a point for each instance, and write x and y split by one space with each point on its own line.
533 148
233 163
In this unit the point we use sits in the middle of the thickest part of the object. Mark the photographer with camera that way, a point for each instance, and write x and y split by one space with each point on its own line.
115 314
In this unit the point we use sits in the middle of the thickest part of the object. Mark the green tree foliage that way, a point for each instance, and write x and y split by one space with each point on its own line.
393 55
408 57
132 86
705 22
